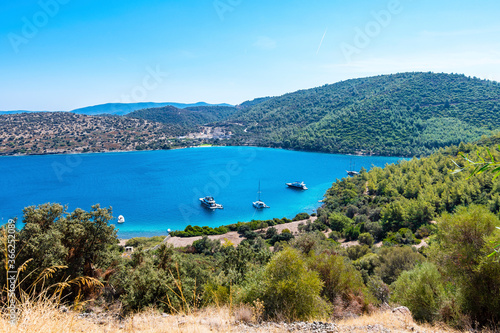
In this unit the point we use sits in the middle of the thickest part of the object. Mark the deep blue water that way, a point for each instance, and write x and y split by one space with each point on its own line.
159 190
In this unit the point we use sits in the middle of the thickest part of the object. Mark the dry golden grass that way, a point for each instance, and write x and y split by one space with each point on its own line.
46 317
395 322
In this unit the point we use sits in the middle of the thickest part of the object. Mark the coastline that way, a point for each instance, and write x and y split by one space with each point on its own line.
354 154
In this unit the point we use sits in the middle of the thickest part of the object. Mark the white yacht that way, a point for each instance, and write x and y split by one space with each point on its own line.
121 219
259 204
210 203
299 185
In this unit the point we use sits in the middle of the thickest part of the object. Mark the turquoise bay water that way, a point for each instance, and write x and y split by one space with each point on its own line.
160 190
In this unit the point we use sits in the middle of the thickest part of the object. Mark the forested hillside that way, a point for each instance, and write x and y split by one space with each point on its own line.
188 119
402 114
408 195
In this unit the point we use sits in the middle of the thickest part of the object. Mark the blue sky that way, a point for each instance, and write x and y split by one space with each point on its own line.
65 54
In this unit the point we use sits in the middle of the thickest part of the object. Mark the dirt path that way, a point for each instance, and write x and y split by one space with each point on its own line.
234 237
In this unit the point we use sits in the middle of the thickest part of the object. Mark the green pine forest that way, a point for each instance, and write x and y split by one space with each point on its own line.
407 114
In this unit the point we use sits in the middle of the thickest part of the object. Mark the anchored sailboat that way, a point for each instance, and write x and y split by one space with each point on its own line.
352 172
259 204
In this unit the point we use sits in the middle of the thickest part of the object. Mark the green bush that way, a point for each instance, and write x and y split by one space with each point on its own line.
366 238
207 246
290 290
357 251
270 233
404 236
378 289
285 236
396 260
312 241
339 222
301 216
421 290
343 284
375 229
335 235
352 233
366 264
463 244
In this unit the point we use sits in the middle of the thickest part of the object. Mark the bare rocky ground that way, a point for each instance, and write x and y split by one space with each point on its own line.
236 238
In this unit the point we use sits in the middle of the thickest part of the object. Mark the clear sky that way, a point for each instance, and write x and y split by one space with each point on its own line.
66 54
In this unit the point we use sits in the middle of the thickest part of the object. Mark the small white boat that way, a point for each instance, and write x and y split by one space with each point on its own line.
299 185
210 203
121 219
259 204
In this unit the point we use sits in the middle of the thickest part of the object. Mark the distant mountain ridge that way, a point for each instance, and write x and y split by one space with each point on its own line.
120 109
21 111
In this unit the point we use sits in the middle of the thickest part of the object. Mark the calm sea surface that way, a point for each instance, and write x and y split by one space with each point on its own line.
160 190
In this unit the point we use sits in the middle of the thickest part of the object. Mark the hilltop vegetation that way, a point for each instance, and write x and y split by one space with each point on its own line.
402 114
187 119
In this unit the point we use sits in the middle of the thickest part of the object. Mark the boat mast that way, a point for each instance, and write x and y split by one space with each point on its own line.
258 192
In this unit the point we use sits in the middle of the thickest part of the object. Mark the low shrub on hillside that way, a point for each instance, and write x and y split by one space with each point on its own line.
421 290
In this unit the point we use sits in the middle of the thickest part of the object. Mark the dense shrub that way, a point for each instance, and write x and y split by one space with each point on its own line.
396 260
357 251
312 241
366 238
404 236
339 222
285 236
343 284
464 241
270 233
290 290
421 290
207 246
301 216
